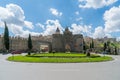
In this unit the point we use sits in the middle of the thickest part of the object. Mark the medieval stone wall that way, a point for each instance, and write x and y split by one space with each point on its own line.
19 43
57 42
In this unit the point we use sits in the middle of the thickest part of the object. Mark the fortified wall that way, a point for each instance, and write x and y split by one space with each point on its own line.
57 42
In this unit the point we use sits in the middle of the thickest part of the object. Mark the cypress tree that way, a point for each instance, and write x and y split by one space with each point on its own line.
6 37
116 51
108 47
29 44
105 46
92 44
84 46
108 43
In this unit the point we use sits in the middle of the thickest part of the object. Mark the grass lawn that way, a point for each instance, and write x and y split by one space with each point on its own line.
59 58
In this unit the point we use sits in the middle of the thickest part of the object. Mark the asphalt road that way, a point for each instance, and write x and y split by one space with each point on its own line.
64 71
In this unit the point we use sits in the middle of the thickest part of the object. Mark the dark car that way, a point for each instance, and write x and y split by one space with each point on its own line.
16 52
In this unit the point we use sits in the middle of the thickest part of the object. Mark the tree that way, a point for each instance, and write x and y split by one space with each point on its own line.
29 45
84 46
6 37
116 51
108 43
92 44
105 46
108 47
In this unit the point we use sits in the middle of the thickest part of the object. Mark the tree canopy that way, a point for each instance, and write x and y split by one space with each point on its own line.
6 37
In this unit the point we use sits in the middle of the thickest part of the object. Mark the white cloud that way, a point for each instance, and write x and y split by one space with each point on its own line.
55 12
19 31
112 20
40 25
118 39
78 29
51 26
79 19
16 24
86 30
17 14
15 29
5 13
99 32
26 33
1 24
95 3
29 24
14 16
112 24
77 13
108 35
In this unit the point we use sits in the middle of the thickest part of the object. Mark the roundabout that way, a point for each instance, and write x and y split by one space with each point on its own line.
59 58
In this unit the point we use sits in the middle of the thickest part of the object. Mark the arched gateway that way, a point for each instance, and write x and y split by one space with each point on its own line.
44 46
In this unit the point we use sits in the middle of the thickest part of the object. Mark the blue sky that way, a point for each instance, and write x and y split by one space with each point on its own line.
94 18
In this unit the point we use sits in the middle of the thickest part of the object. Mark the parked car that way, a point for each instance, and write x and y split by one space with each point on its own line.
16 52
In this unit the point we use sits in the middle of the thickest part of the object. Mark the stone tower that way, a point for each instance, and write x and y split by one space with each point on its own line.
57 42
57 31
67 40
78 43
